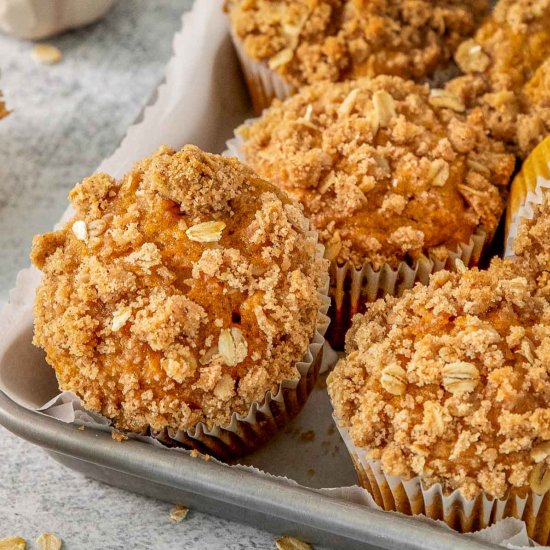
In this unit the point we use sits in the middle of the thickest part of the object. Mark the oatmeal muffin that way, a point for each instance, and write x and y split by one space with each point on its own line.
179 295
448 387
387 170
507 65
308 41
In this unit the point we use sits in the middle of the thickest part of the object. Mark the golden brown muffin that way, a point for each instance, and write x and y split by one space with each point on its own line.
450 382
508 68
386 169
179 294
307 41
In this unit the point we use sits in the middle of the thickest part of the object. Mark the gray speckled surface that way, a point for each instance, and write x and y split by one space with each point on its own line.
66 119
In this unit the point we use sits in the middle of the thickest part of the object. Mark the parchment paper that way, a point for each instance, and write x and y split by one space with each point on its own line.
201 101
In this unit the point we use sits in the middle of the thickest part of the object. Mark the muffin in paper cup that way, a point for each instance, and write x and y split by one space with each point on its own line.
263 83
187 300
417 196
443 400
527 191
285 45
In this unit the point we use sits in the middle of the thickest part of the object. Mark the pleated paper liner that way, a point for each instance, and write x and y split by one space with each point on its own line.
410 497
527 191
264 84
352 288
245 433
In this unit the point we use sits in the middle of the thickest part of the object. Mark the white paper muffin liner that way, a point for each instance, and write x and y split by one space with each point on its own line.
527 192
264 84
351 288
410 497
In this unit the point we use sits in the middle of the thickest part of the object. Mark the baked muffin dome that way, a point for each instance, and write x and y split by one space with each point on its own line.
180 294
450 382
308 41
386 169
508 68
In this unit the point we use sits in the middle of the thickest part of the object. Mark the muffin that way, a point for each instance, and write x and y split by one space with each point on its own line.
285 45
391 174
184 300
444 396
507 65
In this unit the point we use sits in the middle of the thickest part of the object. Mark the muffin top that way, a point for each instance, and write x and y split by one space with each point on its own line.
385 169
307 41
532 243
451 381
179 294
508 72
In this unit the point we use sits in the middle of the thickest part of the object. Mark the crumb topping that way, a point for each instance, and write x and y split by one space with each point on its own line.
308 41
532 243
450 382
179 294
507 65
385 168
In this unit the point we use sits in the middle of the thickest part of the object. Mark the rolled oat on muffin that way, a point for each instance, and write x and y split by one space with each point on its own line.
507 64
444 394
307 41
180 295
388 171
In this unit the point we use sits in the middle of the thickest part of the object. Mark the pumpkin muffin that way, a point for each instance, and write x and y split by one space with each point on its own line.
180 294
307 41
390 173
508 72
449 386
387 170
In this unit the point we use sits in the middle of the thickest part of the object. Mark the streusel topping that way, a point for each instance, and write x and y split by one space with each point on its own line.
508 72
307 41
450 382
385 168
532 244
179 294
